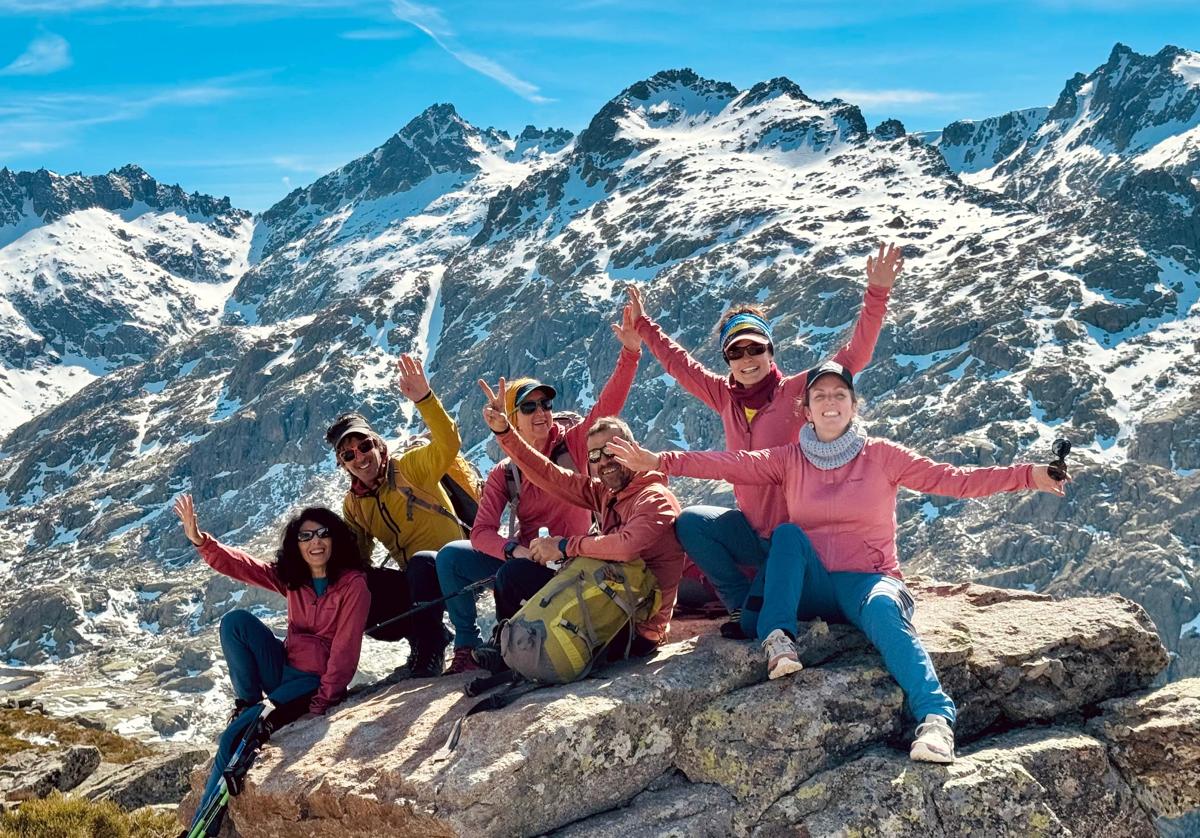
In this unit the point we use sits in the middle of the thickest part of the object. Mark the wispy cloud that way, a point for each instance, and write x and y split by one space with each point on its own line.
45 54
30 124
922 99
377 34
431 21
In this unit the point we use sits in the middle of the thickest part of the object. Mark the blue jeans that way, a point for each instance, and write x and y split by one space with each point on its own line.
459 564
798 586
257 667
718 540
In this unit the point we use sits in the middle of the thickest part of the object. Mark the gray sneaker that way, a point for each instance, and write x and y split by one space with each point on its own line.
781 655
934 742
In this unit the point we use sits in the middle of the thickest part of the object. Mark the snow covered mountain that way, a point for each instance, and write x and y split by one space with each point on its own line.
102 272
1027 311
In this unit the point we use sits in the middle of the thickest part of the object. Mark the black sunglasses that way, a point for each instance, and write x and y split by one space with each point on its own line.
363 447
1058 468
733 353
594 454
531 407
307 535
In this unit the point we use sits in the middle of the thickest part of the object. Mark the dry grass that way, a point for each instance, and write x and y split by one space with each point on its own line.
69 817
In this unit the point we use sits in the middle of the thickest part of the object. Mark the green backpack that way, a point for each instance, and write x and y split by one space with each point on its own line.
557 634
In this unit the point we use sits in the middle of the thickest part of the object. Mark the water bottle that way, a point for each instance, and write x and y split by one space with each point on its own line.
544 532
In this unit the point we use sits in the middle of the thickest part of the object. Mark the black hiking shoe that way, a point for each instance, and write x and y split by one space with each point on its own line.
487 655
733 630
428 659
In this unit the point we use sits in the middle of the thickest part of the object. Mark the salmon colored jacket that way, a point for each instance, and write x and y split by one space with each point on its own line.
848 513
535 507
324 634
780 421
637 522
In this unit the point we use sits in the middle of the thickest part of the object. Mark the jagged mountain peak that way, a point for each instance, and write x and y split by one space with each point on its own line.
780 86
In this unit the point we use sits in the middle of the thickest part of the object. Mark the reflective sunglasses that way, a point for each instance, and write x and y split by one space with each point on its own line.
307 535
363 447
733 353
594 454
531 407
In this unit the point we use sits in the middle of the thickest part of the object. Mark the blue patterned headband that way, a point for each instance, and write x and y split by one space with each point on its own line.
741 324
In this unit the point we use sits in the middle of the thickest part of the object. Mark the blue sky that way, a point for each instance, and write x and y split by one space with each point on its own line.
252 98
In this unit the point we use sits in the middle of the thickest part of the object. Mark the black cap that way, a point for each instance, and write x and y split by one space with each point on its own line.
528 387
346 424
828 368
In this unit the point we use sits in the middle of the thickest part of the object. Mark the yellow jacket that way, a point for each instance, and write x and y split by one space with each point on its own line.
399 512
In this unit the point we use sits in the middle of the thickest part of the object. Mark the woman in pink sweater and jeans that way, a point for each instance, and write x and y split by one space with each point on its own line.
758 406
835 557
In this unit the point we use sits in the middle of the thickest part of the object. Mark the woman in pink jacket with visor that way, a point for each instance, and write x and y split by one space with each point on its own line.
835 556
757 404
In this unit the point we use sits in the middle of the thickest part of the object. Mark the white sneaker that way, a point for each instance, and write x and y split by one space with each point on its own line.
934 742
781 655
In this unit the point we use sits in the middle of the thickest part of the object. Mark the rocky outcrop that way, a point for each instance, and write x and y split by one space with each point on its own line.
697 736
33 774
153 780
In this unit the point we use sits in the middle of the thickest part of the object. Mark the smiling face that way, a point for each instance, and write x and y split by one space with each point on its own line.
316 551
364 466
831 407
749 369
612 474
534 427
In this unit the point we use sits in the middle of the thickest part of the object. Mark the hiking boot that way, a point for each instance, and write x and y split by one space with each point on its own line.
487 656
462 662
426 660
934 742
781 655
732 629
239 706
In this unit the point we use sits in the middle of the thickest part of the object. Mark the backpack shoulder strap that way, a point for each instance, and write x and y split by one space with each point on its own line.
417 497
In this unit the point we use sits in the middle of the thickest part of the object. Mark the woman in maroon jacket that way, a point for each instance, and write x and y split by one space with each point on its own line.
319 569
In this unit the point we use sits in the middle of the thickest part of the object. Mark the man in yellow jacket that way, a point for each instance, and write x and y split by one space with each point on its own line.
400 502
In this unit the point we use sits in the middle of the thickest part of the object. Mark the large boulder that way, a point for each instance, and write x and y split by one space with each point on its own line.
702 706
153 780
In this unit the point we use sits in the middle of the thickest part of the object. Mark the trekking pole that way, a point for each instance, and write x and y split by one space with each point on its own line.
421 606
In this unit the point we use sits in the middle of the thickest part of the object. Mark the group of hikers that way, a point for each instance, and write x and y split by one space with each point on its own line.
813 533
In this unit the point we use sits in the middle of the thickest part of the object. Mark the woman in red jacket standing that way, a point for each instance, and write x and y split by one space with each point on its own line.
319 569
835 557
757 405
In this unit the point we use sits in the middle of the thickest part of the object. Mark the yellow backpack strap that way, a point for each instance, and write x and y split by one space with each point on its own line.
418 497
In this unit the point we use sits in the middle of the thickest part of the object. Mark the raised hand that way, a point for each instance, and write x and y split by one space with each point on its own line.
185 508
635 302
412 381
493 408
626 330
884 267
1043 482
631 455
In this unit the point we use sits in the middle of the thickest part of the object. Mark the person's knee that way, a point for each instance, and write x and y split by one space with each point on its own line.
880 610
691 522
235 623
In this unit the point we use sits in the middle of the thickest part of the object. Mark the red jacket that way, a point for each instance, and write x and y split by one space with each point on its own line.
848 513
324 634
535 508
636 523
780 421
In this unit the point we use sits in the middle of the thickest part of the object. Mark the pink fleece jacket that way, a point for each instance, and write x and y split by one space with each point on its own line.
324 634
637 522
780 421
536 508
849 513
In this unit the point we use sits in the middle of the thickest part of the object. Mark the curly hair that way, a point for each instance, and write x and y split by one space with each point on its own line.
290 567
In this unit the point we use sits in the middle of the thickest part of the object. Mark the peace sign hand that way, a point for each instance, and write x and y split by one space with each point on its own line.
412 381
493 408
884 267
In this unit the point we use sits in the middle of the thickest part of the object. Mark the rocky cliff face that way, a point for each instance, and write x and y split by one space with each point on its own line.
697 742
1021 316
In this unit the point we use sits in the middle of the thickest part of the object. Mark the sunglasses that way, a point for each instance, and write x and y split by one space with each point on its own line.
733 353
363 447
531 407
1058 468
307 535
595 454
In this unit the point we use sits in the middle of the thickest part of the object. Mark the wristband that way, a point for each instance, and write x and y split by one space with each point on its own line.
509 546
507 428
424 397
